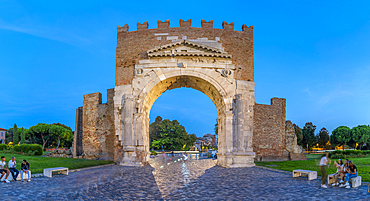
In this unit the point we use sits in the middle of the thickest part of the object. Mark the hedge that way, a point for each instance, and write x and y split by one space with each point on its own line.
349 154
29 148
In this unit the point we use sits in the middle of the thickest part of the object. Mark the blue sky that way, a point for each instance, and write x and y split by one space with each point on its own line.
315 54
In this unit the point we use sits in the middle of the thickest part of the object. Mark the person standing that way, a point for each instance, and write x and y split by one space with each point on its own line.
12 164
25 168
4 170
323 165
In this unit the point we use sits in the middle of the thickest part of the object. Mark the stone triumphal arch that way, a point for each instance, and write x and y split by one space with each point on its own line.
217 62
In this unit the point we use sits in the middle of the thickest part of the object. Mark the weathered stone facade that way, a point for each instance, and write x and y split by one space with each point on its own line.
217 62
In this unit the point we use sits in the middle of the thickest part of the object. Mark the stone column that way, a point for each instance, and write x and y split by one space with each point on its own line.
128 143
243 155
225 155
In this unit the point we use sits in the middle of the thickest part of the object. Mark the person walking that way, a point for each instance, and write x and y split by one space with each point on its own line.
323 165
172 155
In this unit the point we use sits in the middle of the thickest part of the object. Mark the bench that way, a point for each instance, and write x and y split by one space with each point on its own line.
331 179
310 174
10 178
49 171
356 182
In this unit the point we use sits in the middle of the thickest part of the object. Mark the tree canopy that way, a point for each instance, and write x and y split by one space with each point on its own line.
323 137
341 135
169 134
361 134
308 133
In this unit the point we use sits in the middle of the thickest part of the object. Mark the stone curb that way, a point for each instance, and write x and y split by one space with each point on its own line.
287 172
76 170
272 169
92 167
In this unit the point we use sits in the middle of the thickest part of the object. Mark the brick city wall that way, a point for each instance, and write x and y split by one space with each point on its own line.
132 45
269 130
98 132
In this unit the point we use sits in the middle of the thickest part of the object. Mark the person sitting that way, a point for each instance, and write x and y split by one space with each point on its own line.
4 169
339 166
351 172
12 164
345 167
25 168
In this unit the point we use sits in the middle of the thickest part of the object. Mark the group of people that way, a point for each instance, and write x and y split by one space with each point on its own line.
11 169
345 172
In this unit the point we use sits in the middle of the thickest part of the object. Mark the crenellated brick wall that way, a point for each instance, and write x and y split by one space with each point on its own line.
269 130
130 45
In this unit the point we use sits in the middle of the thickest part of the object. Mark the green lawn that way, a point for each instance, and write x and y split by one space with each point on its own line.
362 164
38 163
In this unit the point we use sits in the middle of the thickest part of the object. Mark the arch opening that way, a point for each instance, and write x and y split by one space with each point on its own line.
214 92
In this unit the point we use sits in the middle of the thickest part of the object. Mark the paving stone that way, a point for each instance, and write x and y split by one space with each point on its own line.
183 180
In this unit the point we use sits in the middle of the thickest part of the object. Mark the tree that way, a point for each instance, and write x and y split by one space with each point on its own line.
298 133
323 137
59 132
41 131
169 134
341 135
15 135
154 129
308 133
23 137
216 127
361 134
66 140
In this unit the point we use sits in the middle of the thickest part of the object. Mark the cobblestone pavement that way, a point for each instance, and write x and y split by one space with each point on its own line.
169 180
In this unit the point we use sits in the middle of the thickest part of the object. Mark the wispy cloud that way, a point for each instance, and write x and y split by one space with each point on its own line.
45 32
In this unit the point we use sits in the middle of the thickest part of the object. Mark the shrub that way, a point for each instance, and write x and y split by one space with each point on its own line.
3 147
35 149
366 152
154 153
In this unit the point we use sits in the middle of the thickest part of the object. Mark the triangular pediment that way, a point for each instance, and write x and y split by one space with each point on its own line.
187 48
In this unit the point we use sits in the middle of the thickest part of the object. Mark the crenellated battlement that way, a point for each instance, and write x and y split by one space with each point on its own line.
133 45
183 24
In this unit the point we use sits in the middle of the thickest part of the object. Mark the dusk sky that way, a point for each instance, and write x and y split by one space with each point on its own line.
315 54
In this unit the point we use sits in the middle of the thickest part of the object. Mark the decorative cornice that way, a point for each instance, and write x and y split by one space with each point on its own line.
155 52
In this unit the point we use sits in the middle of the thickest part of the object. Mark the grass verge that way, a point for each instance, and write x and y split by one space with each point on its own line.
38 163
362 164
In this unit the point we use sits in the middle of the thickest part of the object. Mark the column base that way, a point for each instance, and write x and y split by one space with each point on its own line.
236 160
130 158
